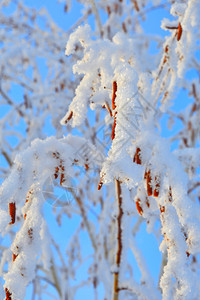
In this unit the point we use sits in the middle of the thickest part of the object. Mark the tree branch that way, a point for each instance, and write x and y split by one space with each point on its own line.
119 240
9 161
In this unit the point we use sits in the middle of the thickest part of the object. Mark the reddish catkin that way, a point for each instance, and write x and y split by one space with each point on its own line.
164 60
165 96
194 108
86 167
124 27
14 256
179 34
56 173
61 166
136 5
113 128
147 202
149 184
27 200
30 233
108 10
69 118
187 253
157 187
170 194
136 157
12 212
8 294
100 183
56 155
62 178
139 207
114 94
62 86
162 209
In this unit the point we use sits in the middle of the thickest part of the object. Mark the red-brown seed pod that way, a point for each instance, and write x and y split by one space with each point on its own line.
165 96
185 141
108 10
27 200
8 294
162 209
56 173
145 174
136 5
147 202
136 157
124 27
180 30
12 212
114 94
56 155
69 118
100 183
185 235
194 107
113 129
62 178
165 237
139 207
149 184
62 86
157 187
61 166
30 233
86 167
164 60
170 194
187 253
28 196
14 256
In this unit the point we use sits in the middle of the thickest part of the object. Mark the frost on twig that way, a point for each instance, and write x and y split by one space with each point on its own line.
138 153
24 195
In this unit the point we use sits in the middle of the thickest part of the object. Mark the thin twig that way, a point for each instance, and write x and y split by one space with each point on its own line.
163 264
85 220
119 240
193 187
10 102
79 22
54 275
159 6
7 158
96 13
